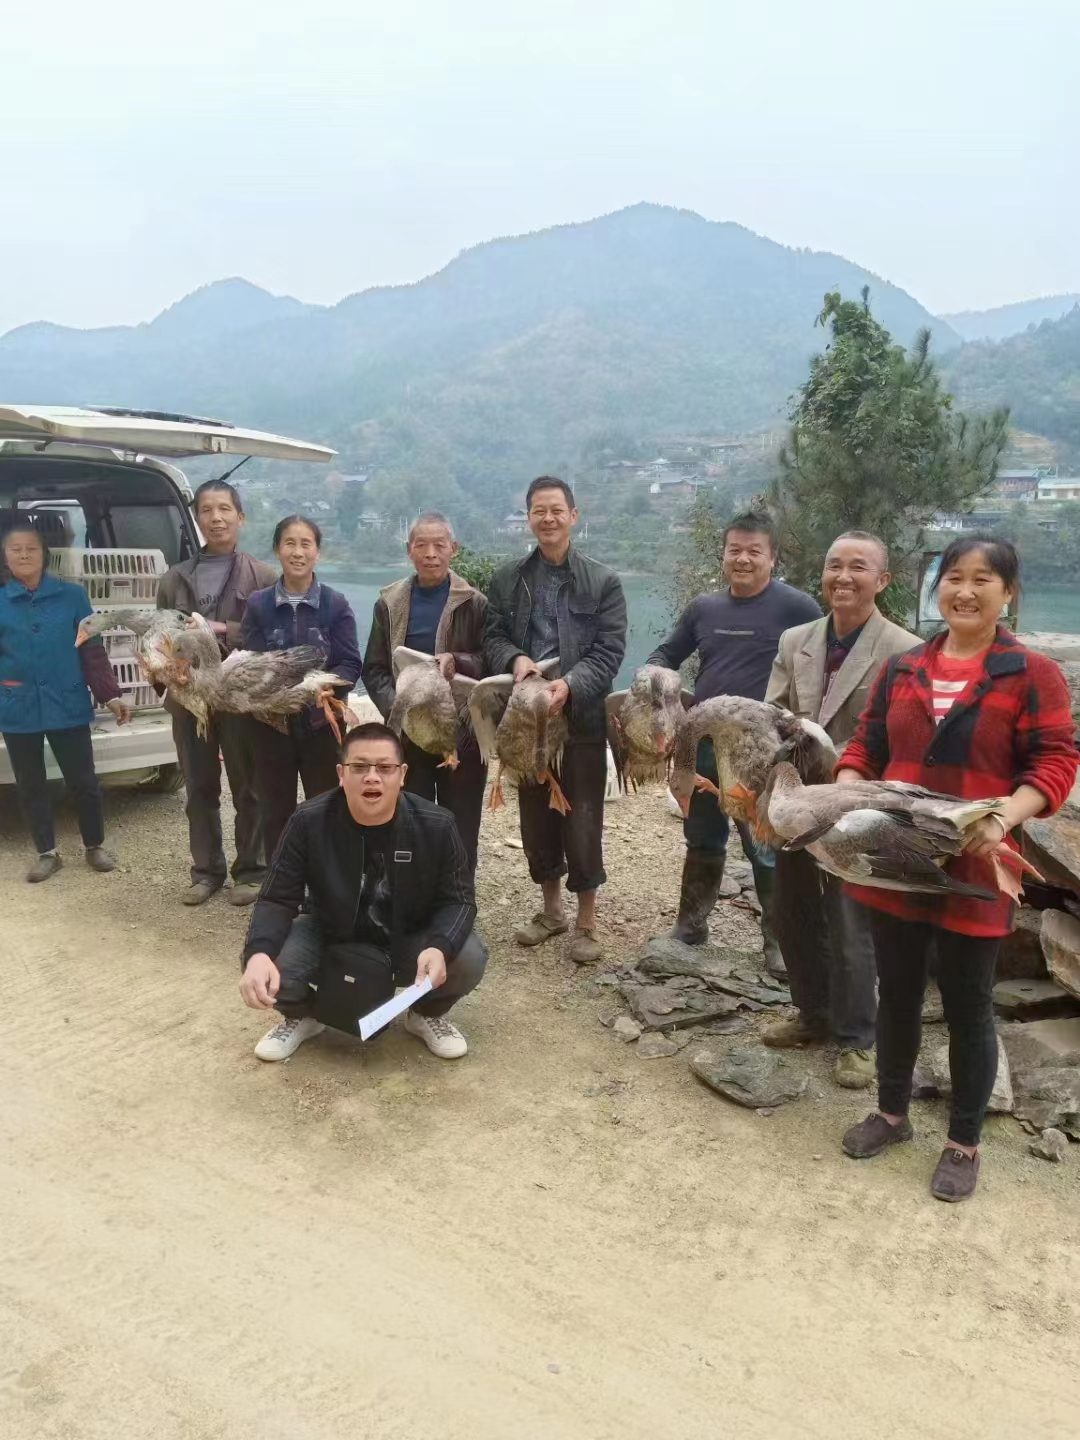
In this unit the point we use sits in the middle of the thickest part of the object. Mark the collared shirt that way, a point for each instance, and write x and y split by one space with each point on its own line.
542 640
837 649
288 597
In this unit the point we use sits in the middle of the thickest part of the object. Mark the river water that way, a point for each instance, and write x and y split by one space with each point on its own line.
650 617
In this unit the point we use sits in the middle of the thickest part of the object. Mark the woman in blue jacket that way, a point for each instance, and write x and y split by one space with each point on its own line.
44 696
298 610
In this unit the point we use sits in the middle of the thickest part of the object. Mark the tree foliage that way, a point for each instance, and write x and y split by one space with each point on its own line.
875 445
477 569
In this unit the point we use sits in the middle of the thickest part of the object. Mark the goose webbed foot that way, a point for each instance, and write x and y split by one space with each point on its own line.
497 800
556 799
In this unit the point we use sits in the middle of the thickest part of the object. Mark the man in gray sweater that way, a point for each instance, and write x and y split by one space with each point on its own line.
735 632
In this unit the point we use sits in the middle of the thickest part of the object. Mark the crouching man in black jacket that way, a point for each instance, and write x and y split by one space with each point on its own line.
389 902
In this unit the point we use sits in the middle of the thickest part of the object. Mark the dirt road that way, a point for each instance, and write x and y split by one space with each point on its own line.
548 1239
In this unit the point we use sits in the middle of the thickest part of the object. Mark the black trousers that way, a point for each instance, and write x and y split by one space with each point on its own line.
353 978
74 753
229 738
828 948
965 976
280 760
570 845
460 791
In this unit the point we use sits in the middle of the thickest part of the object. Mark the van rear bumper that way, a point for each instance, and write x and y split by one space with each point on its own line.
144 744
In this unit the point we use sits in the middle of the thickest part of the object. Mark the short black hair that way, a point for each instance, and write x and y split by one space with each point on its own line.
208 485
283 525
1001 555
549 482
372 730
26 526
752 522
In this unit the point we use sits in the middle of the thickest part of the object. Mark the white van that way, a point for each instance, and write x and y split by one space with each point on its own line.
99 479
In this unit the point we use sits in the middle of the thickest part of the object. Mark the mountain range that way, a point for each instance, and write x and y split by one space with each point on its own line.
1005 320
520 355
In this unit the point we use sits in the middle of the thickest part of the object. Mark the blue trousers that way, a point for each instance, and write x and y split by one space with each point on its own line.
708 828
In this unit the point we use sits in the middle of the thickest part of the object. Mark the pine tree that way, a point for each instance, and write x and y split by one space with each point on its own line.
876 445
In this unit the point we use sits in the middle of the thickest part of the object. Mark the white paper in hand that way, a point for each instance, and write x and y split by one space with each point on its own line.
382 1016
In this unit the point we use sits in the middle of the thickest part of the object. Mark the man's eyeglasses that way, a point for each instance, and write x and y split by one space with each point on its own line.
383 768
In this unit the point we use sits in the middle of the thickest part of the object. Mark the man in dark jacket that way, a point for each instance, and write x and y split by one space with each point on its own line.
439 613
216 583
389 901
735 632
559 604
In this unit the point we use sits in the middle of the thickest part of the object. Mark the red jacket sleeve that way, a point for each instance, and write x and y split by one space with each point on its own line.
1046 734
868 749
97 672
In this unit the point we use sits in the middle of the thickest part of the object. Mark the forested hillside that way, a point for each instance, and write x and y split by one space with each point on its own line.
1037 374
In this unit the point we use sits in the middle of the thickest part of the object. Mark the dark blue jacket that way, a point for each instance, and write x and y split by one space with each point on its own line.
328 624
42 686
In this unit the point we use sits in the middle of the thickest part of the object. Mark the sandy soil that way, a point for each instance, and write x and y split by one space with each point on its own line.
550 1238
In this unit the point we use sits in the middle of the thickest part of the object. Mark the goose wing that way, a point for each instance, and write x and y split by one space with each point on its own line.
487 703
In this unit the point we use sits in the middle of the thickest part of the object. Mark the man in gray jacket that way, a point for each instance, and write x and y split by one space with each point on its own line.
824 671
215 584
557 603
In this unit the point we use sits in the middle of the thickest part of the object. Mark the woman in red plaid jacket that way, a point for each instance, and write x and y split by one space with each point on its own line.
972 713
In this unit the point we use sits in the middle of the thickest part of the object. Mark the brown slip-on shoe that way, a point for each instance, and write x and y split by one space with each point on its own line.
540 928
585 948
956 1175
873 1135
99 859
793 1034
43 867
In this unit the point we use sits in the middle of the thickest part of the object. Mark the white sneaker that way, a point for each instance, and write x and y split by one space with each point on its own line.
287 1036
441 1038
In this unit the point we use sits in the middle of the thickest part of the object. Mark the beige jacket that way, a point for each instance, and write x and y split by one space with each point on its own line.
798 673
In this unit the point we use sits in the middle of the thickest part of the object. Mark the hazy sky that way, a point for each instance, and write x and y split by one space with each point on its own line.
321 146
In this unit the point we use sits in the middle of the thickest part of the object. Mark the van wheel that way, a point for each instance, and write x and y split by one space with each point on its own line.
169 780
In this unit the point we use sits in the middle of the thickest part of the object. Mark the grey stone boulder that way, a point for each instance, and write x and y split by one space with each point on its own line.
626 1029
1060 940
654 1046
1053 846
1021 956
933 1068
1049 1096
757 1078
1051 1145
1042 1042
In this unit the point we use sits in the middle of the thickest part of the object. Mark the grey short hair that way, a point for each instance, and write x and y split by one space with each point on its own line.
431 517
883 549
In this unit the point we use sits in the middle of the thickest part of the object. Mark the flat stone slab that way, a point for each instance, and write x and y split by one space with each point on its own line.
934 1078
1042 1042
1049 1097
660 1007
1059 937
664 956
1014 995
756 1078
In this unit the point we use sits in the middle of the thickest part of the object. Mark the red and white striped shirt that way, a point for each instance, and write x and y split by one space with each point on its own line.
952 680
